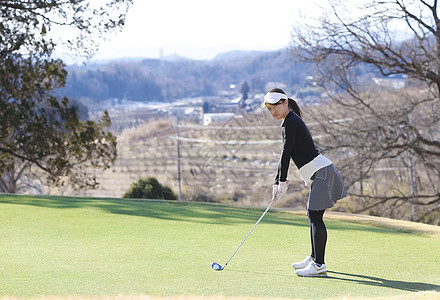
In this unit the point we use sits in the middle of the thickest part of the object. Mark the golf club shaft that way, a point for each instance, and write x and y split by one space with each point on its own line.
249 232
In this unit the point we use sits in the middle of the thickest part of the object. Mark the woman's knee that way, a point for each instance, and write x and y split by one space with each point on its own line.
315 216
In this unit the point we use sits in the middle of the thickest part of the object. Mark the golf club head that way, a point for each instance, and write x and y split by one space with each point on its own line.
216 266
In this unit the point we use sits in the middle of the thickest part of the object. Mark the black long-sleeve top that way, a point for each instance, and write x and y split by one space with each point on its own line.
297 144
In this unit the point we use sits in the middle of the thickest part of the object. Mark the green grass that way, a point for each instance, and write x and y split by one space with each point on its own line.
105 247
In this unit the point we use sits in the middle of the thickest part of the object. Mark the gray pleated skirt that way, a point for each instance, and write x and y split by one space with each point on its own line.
327 188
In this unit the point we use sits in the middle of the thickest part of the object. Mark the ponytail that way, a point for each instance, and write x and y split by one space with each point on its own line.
294 107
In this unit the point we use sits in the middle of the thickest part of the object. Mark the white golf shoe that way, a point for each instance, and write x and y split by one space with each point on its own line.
312 270
302 264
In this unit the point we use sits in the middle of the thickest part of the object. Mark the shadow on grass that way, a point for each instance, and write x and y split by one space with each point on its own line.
361 279
197 212
381 282
203 213
167 210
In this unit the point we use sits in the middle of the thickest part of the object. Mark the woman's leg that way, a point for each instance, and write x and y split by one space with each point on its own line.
312 255
318 234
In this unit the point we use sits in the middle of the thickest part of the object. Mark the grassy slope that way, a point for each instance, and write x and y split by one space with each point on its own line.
91 246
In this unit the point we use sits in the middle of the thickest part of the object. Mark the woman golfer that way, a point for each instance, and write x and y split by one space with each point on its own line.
326 184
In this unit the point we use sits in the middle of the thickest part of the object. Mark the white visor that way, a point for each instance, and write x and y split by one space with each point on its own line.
272 98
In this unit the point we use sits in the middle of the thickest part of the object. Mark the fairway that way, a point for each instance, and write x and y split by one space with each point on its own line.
65 246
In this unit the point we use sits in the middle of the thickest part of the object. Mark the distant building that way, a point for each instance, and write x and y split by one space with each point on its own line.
216 117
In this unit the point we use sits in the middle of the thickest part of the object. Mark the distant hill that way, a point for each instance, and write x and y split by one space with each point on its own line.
233 55
169 78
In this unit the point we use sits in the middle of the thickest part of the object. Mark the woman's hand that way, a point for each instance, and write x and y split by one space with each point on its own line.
279 190
282 189
274 191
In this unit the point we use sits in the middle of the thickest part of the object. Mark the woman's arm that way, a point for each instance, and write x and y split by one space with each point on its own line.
289 134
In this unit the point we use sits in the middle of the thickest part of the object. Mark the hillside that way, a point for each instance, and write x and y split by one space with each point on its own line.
233 161
166 80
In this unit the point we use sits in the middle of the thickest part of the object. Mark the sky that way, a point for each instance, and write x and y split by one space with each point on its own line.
201 29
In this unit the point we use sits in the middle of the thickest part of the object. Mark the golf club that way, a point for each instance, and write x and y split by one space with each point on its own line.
218 267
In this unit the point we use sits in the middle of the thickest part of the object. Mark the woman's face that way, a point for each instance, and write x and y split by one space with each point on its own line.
279 110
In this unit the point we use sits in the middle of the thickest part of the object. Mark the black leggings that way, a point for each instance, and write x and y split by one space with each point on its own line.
318 235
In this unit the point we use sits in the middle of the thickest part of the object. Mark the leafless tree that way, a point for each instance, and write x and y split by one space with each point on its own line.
381 131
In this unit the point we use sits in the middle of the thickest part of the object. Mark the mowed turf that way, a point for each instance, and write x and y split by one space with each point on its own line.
64 246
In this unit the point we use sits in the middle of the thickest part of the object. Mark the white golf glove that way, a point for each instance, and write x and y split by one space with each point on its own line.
274 190
279 190
282 186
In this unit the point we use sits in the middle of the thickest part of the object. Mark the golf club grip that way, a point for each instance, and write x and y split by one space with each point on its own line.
249 232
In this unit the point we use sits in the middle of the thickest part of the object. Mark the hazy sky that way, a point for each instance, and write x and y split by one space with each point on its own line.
201 29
